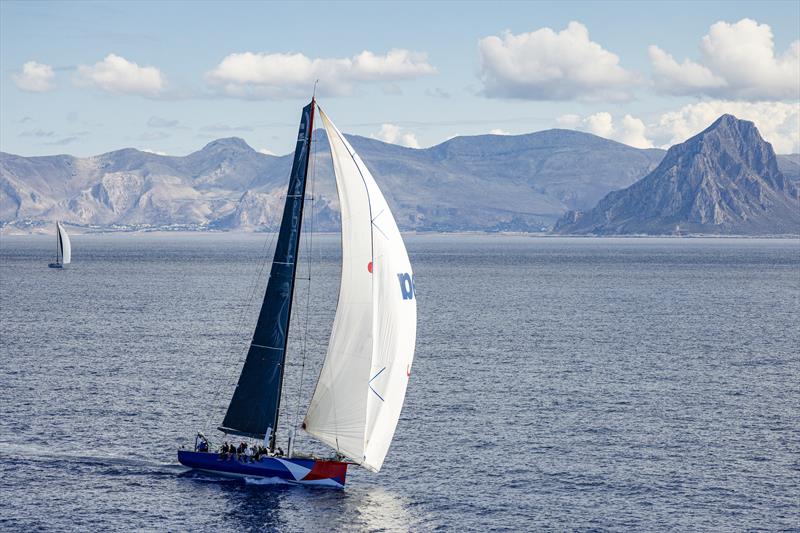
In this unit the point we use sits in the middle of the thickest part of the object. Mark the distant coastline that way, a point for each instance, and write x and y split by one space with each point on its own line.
47 230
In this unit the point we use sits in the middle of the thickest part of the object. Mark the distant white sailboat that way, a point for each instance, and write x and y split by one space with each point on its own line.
63 248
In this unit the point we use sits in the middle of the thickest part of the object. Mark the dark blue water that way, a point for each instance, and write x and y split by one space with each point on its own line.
563 384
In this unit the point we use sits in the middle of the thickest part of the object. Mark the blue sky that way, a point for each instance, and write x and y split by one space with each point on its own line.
86 78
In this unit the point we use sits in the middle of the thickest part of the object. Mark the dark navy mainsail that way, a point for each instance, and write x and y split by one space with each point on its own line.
253 411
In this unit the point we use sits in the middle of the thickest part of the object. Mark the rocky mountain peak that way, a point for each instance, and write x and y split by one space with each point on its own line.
729 121
731 131
235 144
725 179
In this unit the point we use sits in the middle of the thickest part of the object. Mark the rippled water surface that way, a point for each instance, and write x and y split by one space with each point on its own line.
643 384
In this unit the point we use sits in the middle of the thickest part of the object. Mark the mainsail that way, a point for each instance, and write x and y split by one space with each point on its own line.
64 245
362 384
253 411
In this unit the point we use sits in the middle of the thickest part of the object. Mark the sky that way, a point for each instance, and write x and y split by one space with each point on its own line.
85 78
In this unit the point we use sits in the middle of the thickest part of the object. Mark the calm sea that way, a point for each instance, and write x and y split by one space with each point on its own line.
559 384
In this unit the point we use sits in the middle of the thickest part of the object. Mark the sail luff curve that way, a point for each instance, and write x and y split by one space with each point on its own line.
361 388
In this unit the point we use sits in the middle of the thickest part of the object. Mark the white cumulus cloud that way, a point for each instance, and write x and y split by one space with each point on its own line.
778 122
499 131
570 121
737 61
630 130
673 77
549 65
278 75
35 77
266 151
394 134
601 124
117 74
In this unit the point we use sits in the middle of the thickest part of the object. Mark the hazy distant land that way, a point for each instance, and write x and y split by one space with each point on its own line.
489 183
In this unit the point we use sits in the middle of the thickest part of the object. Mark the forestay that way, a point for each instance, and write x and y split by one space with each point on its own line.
254 408
362 385
64 244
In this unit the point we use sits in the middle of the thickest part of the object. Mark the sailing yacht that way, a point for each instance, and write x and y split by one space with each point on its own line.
63 248
362 384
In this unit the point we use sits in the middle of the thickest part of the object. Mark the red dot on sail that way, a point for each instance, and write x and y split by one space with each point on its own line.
369 267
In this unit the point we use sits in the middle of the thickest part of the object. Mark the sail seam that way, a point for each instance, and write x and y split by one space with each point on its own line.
370 383
379 229
363 180
351 153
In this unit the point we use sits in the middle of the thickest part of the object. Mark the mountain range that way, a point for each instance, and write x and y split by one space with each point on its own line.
487 182
724 180
479 183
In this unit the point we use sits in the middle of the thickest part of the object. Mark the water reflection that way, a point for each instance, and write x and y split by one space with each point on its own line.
382 510
256 505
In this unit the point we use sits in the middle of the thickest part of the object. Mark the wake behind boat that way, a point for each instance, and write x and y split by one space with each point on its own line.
361 388
63 248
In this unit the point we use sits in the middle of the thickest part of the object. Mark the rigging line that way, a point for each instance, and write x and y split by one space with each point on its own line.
239 329
242 322
297 249
341 272
310 243
240 326
338 297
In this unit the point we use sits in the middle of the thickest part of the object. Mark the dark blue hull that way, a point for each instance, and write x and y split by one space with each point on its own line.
304 471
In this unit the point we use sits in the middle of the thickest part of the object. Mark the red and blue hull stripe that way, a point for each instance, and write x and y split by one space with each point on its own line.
295 470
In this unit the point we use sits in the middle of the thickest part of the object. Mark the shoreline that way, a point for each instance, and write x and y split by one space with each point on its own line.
76 231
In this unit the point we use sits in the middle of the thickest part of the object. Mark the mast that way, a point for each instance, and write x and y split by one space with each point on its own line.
254 408
58 241
294 267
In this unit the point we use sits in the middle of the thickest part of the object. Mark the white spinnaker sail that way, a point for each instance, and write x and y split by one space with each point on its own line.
362 385
66 247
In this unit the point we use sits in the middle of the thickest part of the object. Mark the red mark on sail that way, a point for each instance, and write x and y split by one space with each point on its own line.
369 267
408 371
